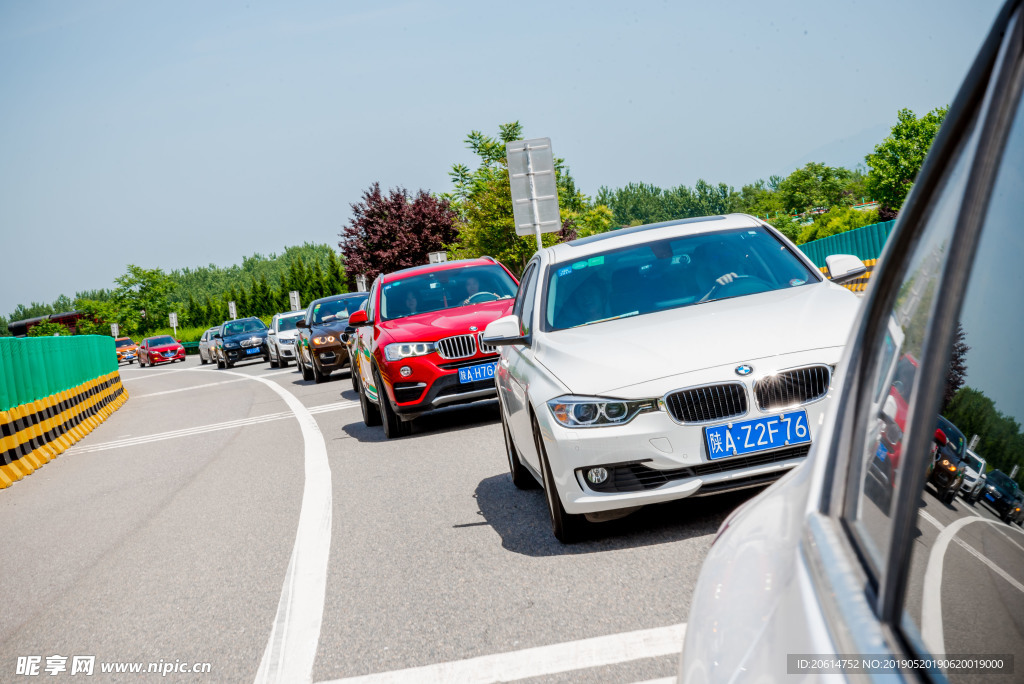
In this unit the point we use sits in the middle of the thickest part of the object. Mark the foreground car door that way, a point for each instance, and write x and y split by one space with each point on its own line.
829 575
515 368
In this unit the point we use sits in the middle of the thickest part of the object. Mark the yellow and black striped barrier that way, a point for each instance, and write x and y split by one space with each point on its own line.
857 284
53 392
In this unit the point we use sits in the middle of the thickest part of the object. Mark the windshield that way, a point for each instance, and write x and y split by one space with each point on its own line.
956 440
126 342
446 289
163 339
974 463
335 309
999 479
668 274
237 327
287 323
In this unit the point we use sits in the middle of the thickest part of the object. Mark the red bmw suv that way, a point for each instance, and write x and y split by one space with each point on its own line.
417 344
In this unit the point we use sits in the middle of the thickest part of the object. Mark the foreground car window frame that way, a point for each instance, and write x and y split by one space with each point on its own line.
853 629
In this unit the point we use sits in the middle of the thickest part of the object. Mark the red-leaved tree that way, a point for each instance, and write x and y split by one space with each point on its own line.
392 231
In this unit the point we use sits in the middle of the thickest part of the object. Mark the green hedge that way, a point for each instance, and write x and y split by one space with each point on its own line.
32 368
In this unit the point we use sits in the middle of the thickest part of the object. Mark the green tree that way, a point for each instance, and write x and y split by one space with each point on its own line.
815 185
4 330
894 164
836 220
140 289
47 329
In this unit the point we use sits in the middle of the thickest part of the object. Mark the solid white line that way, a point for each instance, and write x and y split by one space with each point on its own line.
141 373
931 610
186 389
539 661
295 634
81 448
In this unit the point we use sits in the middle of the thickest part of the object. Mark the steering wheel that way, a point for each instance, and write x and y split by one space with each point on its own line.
739 285
482 297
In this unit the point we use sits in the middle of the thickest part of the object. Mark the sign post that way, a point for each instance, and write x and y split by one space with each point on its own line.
361 282
114 330
232 311
174 323
293 299
531 174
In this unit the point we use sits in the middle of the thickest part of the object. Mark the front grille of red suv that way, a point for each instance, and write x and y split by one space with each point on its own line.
457 347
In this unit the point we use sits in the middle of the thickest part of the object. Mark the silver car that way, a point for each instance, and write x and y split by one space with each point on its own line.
820 578
206 346
281 338
974 476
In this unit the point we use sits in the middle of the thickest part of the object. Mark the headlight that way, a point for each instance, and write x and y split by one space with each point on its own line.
579 412
231 345
403 350
323 339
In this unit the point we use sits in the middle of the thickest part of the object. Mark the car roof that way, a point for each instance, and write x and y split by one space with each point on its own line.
435 268
334 298
637 235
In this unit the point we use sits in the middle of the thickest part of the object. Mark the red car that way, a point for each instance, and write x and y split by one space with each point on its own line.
418 339
154 350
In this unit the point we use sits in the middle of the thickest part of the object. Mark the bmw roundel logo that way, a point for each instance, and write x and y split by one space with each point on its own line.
472 328
744 370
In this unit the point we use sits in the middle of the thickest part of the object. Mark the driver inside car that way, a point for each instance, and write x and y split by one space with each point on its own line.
717 264
472 287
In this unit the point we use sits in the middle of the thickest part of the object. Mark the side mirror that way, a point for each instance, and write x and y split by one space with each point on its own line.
843 267
301 323
940 437
216 336
504 331
358 319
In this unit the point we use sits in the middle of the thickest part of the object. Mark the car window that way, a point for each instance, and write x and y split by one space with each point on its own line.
668 274
524 305
287 323
447 289
163 339
371 307
982 398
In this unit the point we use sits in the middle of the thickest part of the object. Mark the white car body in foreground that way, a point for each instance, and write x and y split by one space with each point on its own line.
820 579
281 342
647 358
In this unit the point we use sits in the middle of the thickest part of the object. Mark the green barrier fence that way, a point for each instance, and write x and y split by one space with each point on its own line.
865 243
33 368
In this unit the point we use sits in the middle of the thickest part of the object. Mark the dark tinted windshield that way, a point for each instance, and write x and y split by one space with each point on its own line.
668 274
957 443
335 309
999 479
238 327
287 323
448 289
973 462
163 339
123 343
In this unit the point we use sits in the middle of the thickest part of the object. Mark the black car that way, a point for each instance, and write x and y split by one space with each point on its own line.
1000 494
241 339
946 473
320 348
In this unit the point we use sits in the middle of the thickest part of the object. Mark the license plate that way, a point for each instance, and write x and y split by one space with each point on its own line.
760 434
129 356
484 371
253 350
990 497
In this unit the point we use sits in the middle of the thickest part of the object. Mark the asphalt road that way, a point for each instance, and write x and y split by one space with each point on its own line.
166 536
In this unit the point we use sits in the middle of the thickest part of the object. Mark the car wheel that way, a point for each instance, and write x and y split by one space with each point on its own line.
274 359
202 359
567 528
394 426
949 496
282 362
229 364
318 375
371 413
306 373
521 477
131 362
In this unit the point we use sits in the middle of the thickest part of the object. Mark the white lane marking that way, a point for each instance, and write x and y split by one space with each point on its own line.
540 661
974 511
186 389
931 611
280 372
295 634
141 373
81 448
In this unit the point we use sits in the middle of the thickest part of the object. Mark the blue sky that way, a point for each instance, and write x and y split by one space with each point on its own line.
183 134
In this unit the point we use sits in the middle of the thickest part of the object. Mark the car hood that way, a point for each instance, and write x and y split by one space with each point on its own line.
165 347
288 334
607 357
332 326
262 334
434 325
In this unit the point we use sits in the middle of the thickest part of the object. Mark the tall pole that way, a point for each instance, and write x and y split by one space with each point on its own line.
533 197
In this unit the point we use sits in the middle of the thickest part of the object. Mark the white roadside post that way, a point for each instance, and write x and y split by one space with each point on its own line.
114 330
174 323
531 175
232 311
294 301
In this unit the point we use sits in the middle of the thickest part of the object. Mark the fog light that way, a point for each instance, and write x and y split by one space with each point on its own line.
597 475
405 371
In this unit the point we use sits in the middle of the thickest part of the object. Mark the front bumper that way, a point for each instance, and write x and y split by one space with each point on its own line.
161 357
127 355
329 357
433 383
286 351
241 353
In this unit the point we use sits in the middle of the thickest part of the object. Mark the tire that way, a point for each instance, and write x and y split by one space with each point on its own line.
131 362
394 426
567 528
521 477
306 373
274 360
948 496
202 359
282 362
318 375
371 413
220 364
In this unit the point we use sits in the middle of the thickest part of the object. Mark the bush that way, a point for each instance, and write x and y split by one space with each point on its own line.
836 220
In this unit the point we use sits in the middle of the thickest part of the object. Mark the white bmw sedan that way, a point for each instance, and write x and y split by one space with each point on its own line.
664 361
